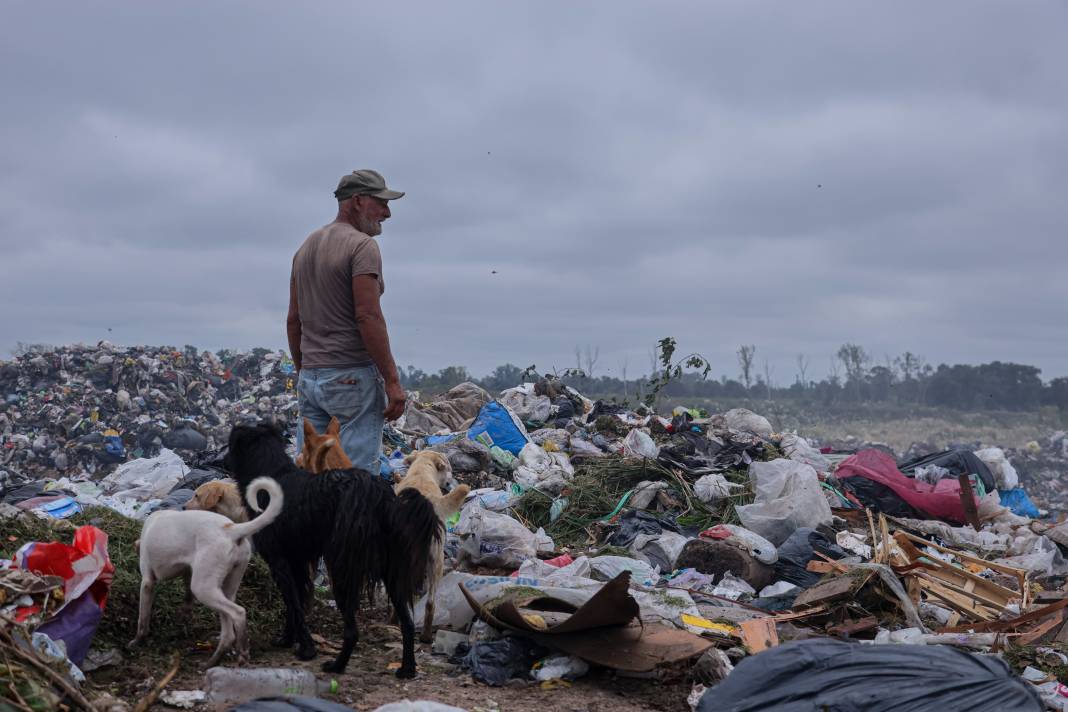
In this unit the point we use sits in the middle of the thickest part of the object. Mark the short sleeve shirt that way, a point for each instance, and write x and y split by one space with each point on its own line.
323 269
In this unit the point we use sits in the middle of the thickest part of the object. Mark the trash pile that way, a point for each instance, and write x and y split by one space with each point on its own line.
755 565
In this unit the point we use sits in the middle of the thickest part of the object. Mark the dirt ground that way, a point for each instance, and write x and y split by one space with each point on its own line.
369 683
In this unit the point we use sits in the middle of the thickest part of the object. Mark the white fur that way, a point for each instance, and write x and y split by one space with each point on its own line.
212 552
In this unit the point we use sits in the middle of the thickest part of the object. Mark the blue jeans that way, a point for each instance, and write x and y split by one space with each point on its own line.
357 398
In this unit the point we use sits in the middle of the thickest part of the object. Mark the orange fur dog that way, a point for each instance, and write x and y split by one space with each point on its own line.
428 472
323 452
221 497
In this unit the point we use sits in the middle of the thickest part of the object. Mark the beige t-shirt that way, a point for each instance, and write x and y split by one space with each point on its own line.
323 269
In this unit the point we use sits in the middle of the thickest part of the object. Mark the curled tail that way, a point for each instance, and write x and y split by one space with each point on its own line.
274 507
417 530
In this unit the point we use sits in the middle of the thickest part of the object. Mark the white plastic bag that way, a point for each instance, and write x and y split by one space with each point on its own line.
547 472
638 443
659 550
788 496
606 568
799 450
492 539
1004 473
525 404
748 422
560 667
712 488
146 478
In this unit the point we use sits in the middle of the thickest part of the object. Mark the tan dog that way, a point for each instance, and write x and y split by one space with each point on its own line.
428 473
323 452
221 497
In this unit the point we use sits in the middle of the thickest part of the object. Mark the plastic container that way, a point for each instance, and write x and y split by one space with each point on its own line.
227 686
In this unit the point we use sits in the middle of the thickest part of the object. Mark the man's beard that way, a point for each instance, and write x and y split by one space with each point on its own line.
368 226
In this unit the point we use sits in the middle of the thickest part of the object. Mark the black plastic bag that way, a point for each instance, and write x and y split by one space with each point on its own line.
799 549
958 462
877 496
634 522
823 674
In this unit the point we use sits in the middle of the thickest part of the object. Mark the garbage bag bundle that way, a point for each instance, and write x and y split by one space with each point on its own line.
823 674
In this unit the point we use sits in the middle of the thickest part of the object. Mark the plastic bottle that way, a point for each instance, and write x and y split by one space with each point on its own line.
225 685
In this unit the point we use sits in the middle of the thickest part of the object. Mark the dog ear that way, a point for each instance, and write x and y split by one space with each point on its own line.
334 428
309 430
212 495
410 457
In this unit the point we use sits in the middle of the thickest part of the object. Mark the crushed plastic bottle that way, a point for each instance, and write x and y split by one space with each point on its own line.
227 686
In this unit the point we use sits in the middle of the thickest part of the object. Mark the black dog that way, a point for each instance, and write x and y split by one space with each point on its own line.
353 520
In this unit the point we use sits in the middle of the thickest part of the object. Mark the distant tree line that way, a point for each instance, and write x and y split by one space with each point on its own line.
854 378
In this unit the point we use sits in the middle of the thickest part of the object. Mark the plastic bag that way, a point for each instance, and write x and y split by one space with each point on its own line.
799 450
748 422
830 674
760 548
606 568
659 550
492 539
497 425
559 667
788 496
526 404
712 488
1004 473
146 478
87 573
799 549
638 443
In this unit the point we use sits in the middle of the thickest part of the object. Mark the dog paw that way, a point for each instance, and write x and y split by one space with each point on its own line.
133 643
332 666
306 652
282 641
406 673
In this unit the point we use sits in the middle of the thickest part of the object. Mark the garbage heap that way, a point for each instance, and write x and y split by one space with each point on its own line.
708 548
730 545
82 410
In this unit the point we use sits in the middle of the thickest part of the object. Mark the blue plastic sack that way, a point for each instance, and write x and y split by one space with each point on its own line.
496 425
1019 503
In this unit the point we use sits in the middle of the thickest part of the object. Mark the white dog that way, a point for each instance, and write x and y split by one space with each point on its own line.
214 553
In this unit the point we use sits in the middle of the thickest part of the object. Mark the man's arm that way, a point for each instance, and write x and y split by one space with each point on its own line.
293 324
372 324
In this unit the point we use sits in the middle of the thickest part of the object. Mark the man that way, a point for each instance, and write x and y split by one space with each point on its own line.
337 333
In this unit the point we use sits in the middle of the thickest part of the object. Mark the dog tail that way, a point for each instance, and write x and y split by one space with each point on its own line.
417 531
449 504
274 507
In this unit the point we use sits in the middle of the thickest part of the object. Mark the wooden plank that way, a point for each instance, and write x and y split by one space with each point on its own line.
966 593
959 603
967 500
1041 629
794 615
1020 574
819 567
827 591
850 627
759 634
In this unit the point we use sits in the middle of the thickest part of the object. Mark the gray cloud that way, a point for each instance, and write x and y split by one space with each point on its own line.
793 176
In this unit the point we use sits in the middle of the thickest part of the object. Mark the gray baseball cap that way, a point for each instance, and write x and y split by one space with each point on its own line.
365 182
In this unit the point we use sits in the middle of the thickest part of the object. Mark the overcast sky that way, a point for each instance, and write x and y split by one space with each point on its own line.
793 175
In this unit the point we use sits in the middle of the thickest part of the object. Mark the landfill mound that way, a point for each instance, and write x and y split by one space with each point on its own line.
695 546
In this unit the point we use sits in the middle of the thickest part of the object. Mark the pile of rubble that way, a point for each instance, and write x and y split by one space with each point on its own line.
754 564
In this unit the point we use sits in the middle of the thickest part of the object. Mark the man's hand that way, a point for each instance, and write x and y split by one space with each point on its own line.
395 399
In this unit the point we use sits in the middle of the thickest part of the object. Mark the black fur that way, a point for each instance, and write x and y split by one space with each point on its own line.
365 533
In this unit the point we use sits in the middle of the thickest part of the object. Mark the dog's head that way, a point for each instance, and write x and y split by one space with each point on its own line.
323 452
254 451
432 461
210 495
